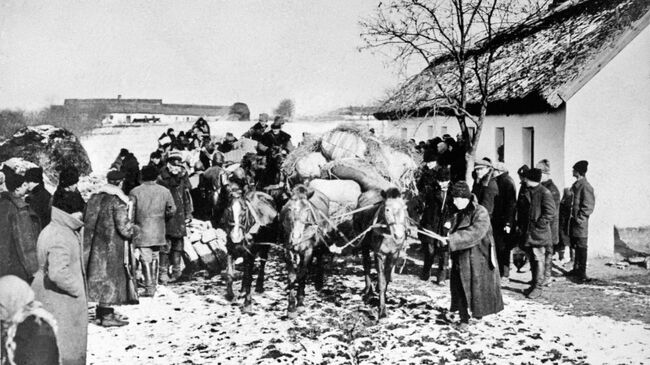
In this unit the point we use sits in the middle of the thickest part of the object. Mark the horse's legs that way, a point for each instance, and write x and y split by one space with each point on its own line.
319 278
303 273
264 255
291 276
365 252
229 276
380 261
247 281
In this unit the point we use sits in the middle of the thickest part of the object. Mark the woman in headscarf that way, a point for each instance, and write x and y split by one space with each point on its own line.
28 330
60 284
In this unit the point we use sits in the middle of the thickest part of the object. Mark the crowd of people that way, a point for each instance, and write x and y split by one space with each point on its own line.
72 252
535 220
60 252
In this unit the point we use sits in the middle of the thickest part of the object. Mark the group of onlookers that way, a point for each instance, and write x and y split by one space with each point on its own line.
535 219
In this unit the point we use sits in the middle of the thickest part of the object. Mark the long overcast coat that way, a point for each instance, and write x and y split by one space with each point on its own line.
106 227
474 274
179 186
583 202
19 229
60 286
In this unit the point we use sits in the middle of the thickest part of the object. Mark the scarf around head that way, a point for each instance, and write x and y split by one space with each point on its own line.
17 304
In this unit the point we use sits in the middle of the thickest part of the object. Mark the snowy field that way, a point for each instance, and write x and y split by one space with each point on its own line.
192 323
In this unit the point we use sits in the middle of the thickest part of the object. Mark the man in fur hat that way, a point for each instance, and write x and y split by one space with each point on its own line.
582 206
67 190
106 226
535 213
474 280
38 199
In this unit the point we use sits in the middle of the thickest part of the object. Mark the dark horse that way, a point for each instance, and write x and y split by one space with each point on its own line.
387 230
303 229
246 225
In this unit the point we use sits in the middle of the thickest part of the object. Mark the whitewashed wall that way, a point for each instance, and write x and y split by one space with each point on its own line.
608 124
549 137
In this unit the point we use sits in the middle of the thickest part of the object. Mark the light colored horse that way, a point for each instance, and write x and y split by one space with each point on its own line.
304 226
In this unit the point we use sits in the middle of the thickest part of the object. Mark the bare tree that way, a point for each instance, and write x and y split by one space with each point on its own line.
459 36
286 108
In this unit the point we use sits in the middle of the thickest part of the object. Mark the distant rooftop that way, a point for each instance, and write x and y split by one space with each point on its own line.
144 106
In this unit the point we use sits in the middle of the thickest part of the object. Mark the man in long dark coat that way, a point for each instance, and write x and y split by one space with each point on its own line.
174 178
39 199
19 229
474 275
438 206
535 212
107 225
547 182
503 217
582 205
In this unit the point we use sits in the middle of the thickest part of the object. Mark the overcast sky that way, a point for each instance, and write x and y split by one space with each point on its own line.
208 52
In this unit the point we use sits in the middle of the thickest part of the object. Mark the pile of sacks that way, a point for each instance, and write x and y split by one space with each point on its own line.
348 161
206 246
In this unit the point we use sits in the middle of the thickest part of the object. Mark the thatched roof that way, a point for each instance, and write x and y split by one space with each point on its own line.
538 65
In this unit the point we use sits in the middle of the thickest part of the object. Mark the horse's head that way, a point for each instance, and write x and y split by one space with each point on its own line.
394 213
301 222
238 217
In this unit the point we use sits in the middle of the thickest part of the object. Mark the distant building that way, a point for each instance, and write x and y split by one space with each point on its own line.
575 84
127 111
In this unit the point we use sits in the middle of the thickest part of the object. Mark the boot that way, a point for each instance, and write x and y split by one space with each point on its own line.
107 318
176 265
538 279
149 283
533 281
443 275
581 255
164 269
548 268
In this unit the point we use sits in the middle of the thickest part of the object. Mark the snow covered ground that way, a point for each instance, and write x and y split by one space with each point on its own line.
192 323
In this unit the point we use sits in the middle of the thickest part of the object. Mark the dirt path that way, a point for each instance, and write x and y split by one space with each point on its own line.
192 323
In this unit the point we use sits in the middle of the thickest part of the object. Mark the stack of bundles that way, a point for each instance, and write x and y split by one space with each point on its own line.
206 245
359 171
339 191
354 155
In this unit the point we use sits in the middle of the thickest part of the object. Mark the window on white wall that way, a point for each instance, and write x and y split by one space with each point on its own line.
404 133
443 131
430 132
500 143
529 146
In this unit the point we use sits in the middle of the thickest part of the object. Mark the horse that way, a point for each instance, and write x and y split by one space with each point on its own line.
244 227
387 230
303 226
